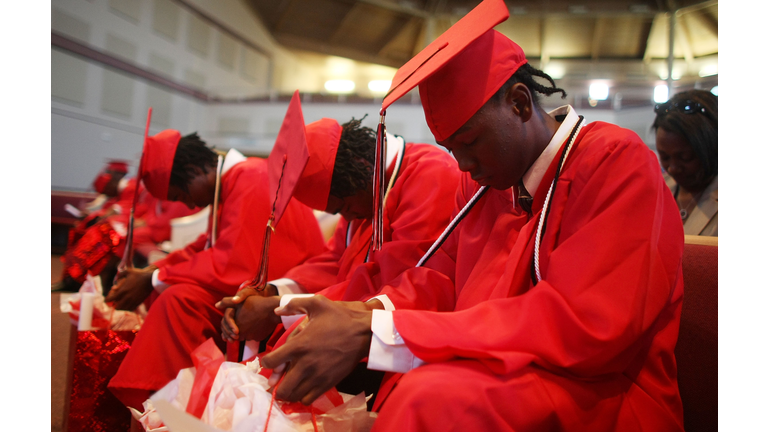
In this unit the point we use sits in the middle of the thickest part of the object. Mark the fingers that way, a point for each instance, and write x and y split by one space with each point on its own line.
298 306
115 294
229 302
278 356
229 330
276 374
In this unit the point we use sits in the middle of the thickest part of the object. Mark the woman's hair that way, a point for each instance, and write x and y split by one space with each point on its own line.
525 74
353 168
191 153
693 115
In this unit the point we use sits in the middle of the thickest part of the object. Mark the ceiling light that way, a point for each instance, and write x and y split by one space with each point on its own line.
714 91
556 71
379 86
708 70
340 86
598 91
660 93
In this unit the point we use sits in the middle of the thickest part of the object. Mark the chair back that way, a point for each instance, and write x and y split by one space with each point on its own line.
187 229
696 349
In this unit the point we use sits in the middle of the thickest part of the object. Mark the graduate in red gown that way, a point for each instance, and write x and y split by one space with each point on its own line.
97 242
422 181
555 302
184 287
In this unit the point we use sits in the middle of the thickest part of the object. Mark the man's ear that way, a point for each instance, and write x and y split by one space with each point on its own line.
519 97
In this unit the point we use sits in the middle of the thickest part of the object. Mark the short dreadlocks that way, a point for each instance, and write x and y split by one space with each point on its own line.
190 153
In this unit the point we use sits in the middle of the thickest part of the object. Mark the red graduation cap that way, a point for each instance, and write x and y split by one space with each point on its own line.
288 158
157 161
457 73
105 175
315 146
286 162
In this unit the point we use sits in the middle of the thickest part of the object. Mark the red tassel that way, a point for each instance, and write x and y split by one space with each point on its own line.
379 186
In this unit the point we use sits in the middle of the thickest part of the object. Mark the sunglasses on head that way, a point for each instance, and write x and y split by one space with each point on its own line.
687 107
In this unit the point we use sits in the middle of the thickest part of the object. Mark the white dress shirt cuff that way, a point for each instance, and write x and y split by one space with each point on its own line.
287 286
157 284
388 350
289 320
388 306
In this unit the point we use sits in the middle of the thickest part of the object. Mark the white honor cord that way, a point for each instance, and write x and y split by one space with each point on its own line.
212 240
451 226
546 206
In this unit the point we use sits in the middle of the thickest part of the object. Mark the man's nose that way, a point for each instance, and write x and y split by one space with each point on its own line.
466 163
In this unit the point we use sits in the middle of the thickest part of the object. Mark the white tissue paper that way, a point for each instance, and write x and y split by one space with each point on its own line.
239 402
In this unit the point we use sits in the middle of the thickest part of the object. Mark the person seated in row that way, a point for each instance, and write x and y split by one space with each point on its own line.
96 244
686 140
422 180
183 287
555 302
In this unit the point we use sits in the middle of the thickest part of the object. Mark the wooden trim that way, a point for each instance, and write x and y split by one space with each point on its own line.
701 240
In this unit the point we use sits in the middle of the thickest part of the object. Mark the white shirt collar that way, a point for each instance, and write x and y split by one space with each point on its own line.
122 184
232 158
394 144
532 177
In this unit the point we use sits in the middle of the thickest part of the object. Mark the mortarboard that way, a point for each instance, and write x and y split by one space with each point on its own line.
288 158
105 175
100 182
157 161
118 166
286 163
314 185
454 82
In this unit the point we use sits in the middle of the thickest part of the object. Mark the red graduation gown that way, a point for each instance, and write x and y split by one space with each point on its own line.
156 226
184 316
416 212
91 246
591 346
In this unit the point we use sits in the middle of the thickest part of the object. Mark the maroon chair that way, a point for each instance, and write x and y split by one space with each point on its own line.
696 349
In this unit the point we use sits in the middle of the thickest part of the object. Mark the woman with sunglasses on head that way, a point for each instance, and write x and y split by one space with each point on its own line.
686 140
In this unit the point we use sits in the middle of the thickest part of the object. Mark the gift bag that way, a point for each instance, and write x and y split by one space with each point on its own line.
92 407
236 397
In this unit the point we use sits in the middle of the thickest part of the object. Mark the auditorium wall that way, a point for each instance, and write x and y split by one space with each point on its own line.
194 51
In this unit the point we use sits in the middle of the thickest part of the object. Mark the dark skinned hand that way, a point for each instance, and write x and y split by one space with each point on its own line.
334 337
132 288
249 315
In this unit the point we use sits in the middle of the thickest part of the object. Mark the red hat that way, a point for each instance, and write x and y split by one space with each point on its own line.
310 181
453 94
314 186
100 182
288 158
157 161
460 70
105 175
118 167
474 67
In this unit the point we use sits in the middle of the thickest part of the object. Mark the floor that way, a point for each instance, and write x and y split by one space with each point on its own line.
61 335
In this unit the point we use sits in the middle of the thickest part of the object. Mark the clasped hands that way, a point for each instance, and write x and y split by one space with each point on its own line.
249 315
322 350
